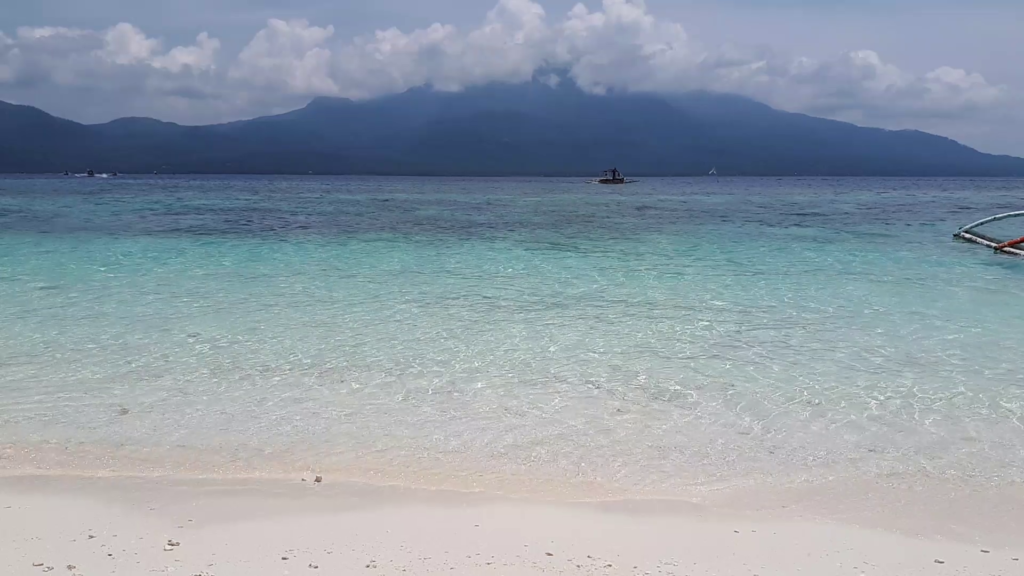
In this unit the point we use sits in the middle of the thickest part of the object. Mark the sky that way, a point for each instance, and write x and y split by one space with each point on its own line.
950 67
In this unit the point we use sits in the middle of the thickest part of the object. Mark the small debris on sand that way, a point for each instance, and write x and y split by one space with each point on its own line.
548 554
939 561
984 551
37 564
48 569
1015 559
173 543
168 548
72 567
91 536
318 479
313 566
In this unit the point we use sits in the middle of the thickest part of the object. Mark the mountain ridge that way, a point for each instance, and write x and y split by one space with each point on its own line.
532 128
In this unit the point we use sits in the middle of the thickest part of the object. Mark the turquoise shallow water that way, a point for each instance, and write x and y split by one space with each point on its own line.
656 336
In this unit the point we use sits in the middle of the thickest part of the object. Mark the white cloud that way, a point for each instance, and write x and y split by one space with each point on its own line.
126 44
290 56
6 69
120 71
74 57
198 58
620 45
625 47
510 45
861 85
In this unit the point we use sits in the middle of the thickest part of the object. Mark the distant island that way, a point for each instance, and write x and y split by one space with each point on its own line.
528 129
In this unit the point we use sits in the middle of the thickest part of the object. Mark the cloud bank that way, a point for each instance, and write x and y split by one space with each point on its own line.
619 45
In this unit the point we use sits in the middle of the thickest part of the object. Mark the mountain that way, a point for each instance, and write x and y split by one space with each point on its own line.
497 129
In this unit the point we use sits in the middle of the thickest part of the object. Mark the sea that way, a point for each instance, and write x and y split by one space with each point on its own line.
653 338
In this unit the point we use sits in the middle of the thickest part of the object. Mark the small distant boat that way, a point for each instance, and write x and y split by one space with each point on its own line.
714 172
971 234
90 173
611 176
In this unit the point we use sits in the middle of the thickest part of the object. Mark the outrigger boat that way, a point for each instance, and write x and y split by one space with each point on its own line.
970 234
612 176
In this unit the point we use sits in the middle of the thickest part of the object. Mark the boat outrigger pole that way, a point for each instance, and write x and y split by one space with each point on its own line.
1010 243
1007 247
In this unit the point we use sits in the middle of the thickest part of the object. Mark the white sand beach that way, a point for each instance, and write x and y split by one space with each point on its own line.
93 526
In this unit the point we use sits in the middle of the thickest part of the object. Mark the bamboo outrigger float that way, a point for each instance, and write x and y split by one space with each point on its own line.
970 234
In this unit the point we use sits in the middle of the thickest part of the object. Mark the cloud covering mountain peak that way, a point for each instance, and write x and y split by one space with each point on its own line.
619 45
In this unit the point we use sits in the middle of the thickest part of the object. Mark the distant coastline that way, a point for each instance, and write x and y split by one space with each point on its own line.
582 178
529 129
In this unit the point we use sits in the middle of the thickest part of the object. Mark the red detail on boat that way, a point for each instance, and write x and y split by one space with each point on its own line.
1010 243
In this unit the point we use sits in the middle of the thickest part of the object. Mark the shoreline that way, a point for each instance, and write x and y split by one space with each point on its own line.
225 528
563 481
233 526
958 507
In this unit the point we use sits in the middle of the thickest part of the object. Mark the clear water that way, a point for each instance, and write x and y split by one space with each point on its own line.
667 334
